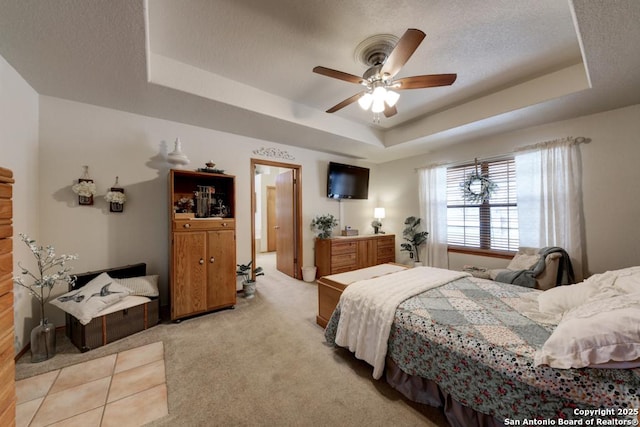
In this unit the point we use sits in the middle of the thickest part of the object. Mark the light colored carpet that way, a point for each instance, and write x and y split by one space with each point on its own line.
263 363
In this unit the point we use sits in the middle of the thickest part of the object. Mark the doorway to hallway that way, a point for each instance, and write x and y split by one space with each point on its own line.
276 207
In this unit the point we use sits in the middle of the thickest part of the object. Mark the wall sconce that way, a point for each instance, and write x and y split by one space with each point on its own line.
85 188
378 214
116 198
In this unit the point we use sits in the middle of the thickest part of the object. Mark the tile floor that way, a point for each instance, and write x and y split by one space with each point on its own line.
124 389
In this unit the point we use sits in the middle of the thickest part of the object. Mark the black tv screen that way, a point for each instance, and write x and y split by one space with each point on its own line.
347 182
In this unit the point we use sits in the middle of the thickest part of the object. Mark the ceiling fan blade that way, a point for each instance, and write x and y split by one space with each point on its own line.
346 102
400 54
390 111
420 82
338 75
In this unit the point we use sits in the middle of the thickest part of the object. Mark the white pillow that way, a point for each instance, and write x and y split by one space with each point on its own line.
86 302
144 286
564 298
628 280
600 331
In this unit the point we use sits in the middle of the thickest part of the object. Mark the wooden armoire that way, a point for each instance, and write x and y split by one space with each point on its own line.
203 242
7 366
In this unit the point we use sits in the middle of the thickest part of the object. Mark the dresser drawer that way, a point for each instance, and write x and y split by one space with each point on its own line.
203 224
339 248
386 242
343 260
386 252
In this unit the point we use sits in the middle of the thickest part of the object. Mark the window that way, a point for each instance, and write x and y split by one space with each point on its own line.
492 224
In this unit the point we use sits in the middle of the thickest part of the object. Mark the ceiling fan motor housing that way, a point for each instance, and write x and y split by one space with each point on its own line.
375 49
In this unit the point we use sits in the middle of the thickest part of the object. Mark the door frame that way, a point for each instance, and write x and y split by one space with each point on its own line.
298 209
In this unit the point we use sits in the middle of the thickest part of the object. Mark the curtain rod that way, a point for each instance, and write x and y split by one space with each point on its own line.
576 140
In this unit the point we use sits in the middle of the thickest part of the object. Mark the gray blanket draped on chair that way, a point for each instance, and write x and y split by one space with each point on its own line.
527 278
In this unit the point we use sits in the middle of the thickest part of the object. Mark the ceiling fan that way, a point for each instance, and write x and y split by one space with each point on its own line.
379 78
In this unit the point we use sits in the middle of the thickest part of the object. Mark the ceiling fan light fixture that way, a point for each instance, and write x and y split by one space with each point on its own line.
384 60
365 101
378 106
391 98
379 93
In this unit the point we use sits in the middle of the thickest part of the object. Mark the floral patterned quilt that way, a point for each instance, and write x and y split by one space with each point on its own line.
470 339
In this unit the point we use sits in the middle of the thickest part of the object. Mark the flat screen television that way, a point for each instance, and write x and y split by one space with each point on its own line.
347 182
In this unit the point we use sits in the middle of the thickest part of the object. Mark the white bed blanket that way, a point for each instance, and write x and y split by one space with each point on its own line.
367 309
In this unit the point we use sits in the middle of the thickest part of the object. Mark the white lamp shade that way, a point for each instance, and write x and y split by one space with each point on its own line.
365 101
378 213
379 93
391 98
378 106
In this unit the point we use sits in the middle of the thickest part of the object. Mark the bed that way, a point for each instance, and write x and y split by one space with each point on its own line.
473 347
131 307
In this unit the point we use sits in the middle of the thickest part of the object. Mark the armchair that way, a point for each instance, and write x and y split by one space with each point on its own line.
526 259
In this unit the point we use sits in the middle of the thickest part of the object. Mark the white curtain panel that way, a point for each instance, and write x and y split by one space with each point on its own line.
433 211
549 188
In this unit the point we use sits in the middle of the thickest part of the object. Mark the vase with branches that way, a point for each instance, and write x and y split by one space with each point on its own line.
52 269
414 236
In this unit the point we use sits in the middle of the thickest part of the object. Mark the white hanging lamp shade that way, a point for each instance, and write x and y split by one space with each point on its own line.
379 96
365 101
391 98
378 106
177 158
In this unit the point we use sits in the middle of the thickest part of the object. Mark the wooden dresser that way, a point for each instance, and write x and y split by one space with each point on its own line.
340 254
7 366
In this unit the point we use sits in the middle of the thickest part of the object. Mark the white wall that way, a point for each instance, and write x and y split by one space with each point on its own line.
45 141
610 182
133 147
19 152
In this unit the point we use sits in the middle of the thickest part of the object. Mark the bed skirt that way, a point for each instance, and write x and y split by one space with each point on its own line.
427 392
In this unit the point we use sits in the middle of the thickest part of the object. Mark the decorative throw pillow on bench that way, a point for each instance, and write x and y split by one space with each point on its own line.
86 302
144 286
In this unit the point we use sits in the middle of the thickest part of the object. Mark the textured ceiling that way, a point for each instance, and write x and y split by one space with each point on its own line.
245 66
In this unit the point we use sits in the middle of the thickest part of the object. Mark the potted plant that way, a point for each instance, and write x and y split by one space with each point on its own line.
323 225
248 284
51 270
414 237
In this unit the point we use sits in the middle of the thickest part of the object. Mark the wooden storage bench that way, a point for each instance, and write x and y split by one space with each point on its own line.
330 287
105 329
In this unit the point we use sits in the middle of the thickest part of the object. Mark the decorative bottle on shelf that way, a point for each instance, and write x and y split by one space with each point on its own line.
177 158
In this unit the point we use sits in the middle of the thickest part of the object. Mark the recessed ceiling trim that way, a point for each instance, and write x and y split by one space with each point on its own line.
554 85
168 72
